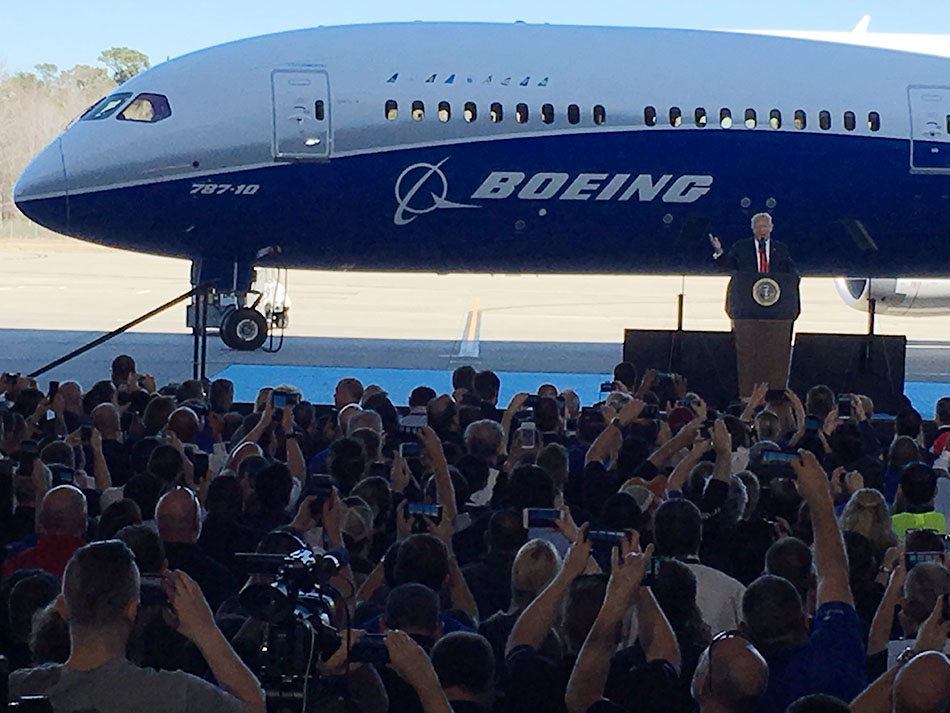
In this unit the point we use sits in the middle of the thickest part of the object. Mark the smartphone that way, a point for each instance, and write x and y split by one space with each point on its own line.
410 450
540 517
85 433
320 486
844 406
650 411
592 414
62 474
29 452
606 387
532 401
945 610
529 434
914 558
812 423
430 510
776 395
6 467
614 538
371 648
53 388
778 457
279 399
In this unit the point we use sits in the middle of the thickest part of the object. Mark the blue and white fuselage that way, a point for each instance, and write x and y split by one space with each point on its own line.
447 147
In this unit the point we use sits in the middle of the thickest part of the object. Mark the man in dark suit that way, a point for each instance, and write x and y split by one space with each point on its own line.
758 254
762 343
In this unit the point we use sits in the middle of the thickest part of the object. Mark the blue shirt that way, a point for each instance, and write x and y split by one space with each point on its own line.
832 662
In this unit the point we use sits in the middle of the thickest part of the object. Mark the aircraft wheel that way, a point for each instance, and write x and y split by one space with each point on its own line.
222 332
244 329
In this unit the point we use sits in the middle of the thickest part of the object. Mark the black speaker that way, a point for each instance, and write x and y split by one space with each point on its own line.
706 359
852 364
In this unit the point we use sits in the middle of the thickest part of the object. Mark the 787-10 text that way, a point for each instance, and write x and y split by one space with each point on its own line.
219 189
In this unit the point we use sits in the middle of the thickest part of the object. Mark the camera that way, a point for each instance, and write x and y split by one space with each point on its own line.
298 606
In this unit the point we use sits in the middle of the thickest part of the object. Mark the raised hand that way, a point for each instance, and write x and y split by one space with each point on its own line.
715 242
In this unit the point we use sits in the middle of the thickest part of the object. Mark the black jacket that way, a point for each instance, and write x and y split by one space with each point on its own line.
743 257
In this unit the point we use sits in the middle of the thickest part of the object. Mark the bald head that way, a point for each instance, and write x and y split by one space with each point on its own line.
105 418
177 516
63 512
346 413
71 393
732 674
923 685
184 423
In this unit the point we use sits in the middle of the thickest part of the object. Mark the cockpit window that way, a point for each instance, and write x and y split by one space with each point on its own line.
105 107
148 108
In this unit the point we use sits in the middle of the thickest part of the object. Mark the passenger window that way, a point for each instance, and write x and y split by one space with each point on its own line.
874 121
600 115
800 122
676 116
445 111
775 119
750 120
471 112
547 114
318 110
148 108
573 114
725 118
649 116
849 121
418 110
104 108
824 120
496 113
521 113
392 110
700 116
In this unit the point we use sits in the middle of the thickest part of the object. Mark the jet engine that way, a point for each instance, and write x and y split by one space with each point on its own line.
904 296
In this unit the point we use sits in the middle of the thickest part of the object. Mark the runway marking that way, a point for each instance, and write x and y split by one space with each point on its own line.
469 346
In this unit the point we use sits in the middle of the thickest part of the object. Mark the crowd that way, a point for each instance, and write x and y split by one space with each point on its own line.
644 553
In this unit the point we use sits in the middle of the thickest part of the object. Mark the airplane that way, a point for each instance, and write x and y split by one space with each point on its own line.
446 147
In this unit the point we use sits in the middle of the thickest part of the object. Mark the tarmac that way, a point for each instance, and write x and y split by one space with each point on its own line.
59 293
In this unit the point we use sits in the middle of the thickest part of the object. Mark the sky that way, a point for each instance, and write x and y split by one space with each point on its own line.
70 33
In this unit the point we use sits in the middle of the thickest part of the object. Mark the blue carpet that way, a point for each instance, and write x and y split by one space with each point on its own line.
318 382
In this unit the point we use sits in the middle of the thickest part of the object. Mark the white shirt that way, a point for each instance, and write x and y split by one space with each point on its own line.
718 596
768 250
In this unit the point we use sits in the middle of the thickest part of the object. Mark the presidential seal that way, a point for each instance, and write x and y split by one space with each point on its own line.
766 291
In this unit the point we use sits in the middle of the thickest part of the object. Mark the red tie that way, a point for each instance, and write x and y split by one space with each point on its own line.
763 258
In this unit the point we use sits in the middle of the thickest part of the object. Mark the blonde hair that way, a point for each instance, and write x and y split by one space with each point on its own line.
866 513
535 565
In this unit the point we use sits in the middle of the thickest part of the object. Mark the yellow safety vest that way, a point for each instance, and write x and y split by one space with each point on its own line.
904 521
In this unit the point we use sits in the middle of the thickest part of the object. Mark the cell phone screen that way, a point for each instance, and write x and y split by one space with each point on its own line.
540 517
280 400
431 510
777 457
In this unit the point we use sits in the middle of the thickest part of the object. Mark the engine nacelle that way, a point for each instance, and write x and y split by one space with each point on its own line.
898 296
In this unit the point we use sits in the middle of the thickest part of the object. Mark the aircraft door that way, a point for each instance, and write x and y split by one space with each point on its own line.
930 129
301 114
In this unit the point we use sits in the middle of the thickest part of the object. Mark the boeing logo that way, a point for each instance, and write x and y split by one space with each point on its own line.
404 200
546 185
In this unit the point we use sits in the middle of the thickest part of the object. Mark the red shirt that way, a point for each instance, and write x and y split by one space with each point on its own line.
50 554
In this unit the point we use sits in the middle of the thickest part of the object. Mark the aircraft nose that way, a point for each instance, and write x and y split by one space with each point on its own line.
41 192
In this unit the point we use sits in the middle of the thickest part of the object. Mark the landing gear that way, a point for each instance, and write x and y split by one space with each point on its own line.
245 304
244 329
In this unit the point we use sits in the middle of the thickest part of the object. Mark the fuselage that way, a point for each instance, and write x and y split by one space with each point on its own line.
515 148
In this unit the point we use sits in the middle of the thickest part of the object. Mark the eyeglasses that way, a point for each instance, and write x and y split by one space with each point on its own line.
722 636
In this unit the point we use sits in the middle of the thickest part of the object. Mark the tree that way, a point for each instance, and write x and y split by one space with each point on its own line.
125 63
47 71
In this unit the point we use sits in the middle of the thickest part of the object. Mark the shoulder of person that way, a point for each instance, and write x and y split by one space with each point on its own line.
34 681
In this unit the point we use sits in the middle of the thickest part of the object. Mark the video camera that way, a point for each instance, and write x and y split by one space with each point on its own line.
298 607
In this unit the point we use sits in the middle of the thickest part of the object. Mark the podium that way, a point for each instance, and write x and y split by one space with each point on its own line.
763 308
